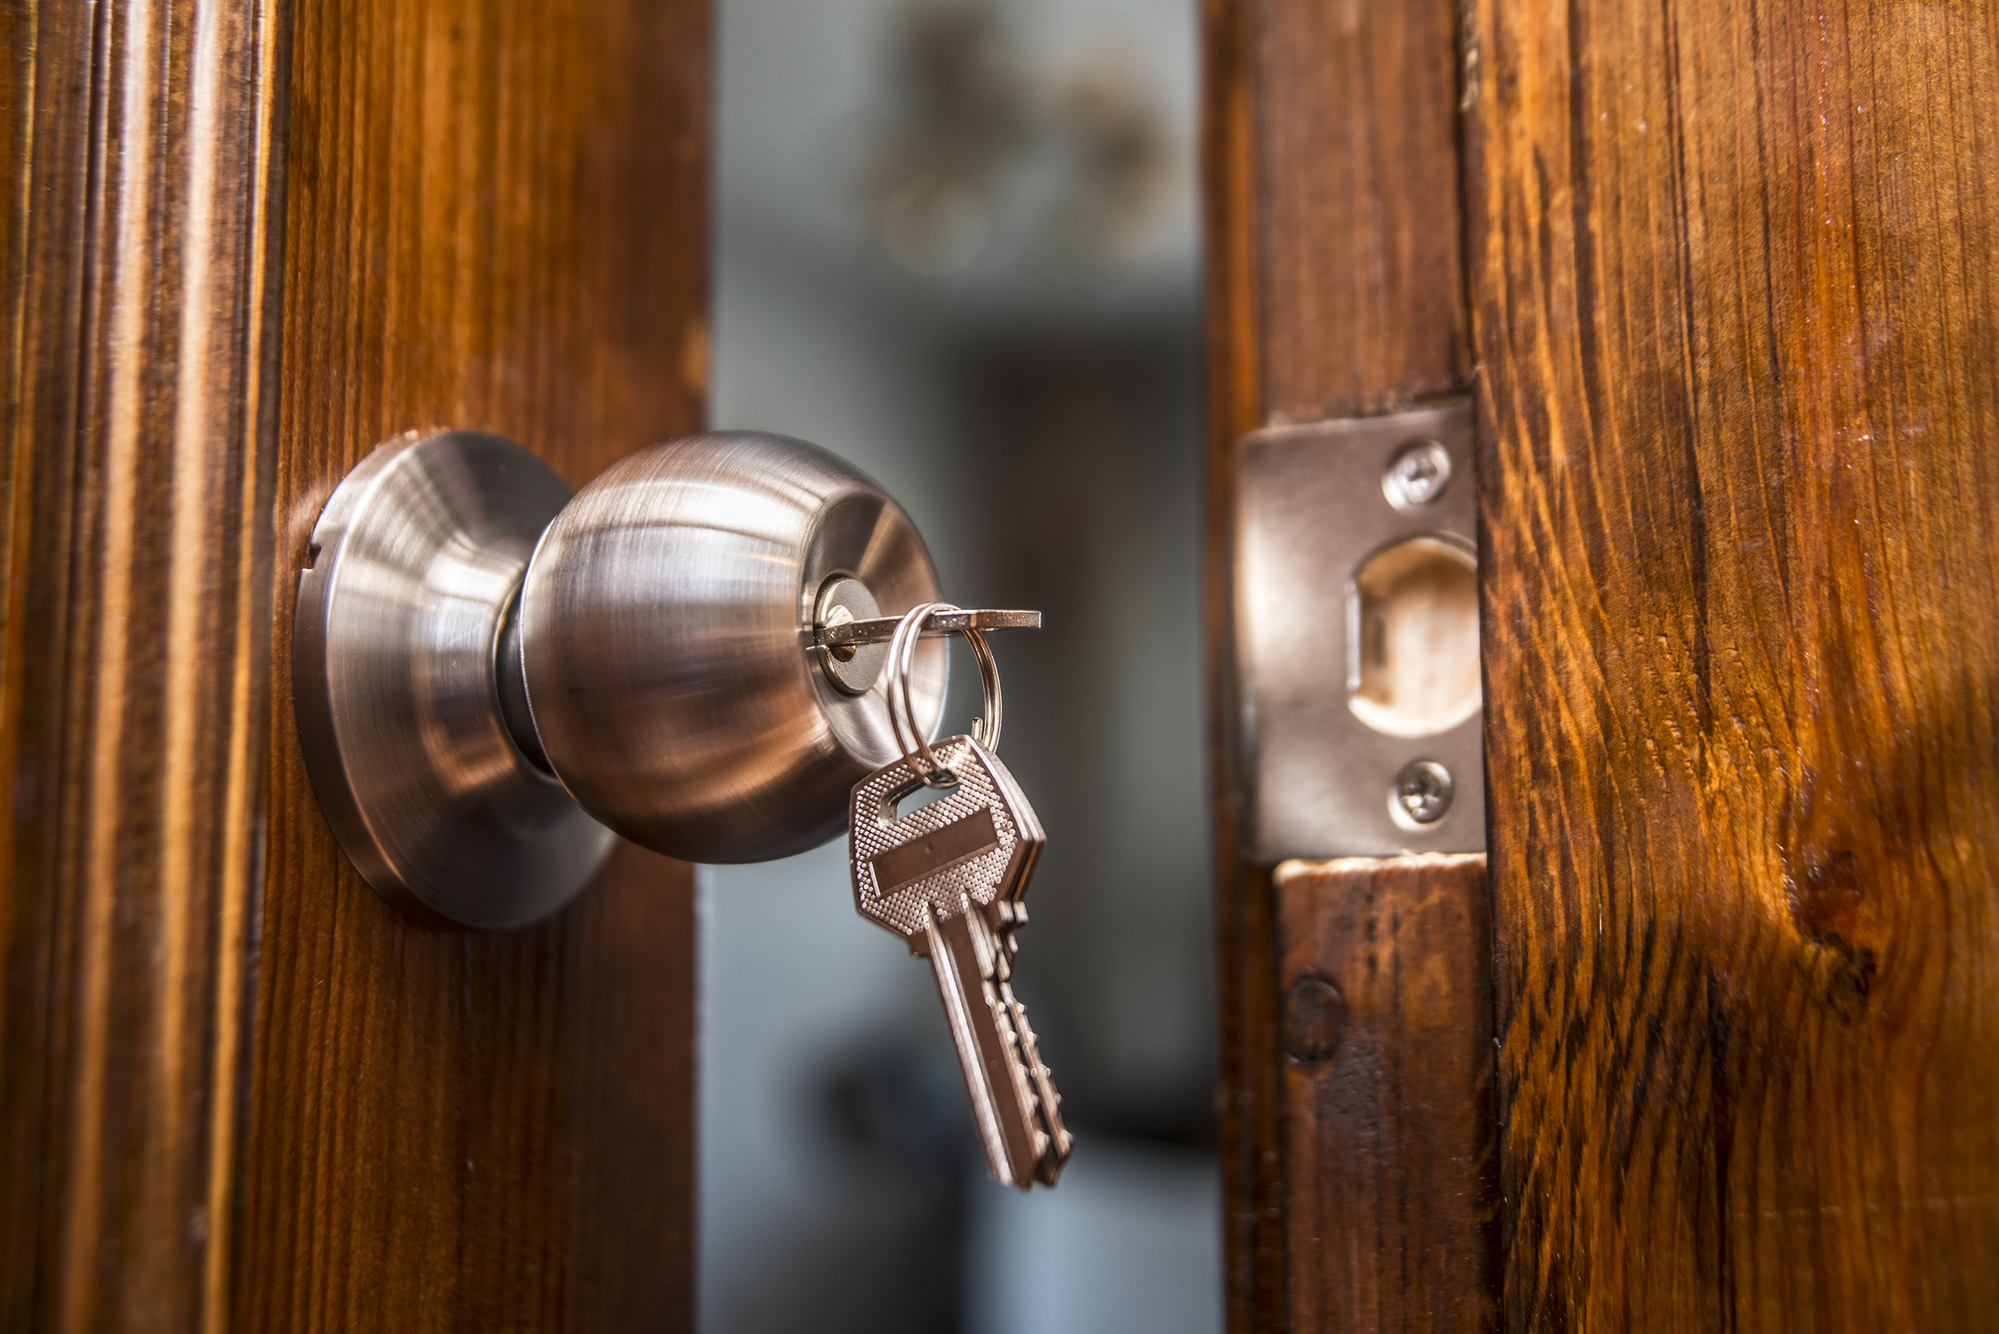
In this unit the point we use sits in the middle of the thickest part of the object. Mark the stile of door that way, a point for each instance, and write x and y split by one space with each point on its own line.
1356 1056
134 667
248 242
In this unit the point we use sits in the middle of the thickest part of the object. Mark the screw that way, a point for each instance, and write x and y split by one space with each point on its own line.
1417 475
1422 792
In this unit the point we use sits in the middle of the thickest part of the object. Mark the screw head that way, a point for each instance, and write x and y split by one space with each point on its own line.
1417 475
1422 793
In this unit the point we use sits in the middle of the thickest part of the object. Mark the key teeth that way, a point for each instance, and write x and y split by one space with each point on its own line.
1054 1142
1047 1102
1021 1065
1033 1082
1040 1141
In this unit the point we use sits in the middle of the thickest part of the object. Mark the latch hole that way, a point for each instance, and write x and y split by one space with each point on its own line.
1413 634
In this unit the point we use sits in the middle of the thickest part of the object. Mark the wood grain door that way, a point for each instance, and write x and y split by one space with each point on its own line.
247 240
1713 1042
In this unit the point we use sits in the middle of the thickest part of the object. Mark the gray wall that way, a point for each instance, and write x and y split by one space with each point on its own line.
957 246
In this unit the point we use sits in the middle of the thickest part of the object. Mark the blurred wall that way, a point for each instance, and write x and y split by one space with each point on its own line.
956 244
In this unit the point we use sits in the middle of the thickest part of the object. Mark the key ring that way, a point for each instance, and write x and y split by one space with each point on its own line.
902 710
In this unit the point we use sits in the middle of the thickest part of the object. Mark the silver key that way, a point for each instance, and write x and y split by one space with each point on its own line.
947 878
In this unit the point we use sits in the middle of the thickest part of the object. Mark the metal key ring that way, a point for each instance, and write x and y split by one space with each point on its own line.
909 736
985 730
901 714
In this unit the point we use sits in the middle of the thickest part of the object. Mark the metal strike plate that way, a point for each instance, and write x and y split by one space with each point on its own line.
1356 652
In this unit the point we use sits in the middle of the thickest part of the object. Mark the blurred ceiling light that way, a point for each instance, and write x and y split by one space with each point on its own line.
1125 158
934 225
972 149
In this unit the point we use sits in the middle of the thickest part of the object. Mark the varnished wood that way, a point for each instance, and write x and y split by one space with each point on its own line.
1736 308
1248 1111
496 219
1335 288
1338 126
138 379
1386 1029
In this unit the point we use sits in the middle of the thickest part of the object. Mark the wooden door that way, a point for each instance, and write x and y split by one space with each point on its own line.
1713 1042
246 242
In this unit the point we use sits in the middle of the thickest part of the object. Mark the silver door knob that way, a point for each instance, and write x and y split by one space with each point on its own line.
491 676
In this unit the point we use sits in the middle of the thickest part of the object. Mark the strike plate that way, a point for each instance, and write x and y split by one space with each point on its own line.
1325 769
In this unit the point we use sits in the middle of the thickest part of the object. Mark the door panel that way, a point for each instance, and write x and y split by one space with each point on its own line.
495 220
235 1087
1735 303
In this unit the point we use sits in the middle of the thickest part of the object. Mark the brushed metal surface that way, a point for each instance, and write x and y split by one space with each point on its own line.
666 630
1313 503
414 559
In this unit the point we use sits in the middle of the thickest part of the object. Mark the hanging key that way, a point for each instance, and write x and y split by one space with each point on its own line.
948 878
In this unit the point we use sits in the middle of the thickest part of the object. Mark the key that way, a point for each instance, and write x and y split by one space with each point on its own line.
947 878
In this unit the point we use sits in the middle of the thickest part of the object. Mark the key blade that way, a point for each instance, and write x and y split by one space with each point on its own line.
1059 1141
880 629
1004 1107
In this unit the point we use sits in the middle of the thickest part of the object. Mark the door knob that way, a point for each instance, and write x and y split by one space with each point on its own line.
493 677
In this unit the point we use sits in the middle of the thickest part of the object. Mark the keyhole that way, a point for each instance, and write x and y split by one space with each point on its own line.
1414 620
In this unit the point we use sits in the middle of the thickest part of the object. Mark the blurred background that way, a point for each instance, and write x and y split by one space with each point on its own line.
957 243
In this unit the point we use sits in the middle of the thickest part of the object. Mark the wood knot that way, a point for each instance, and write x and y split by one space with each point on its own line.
1314 1017
1825 903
